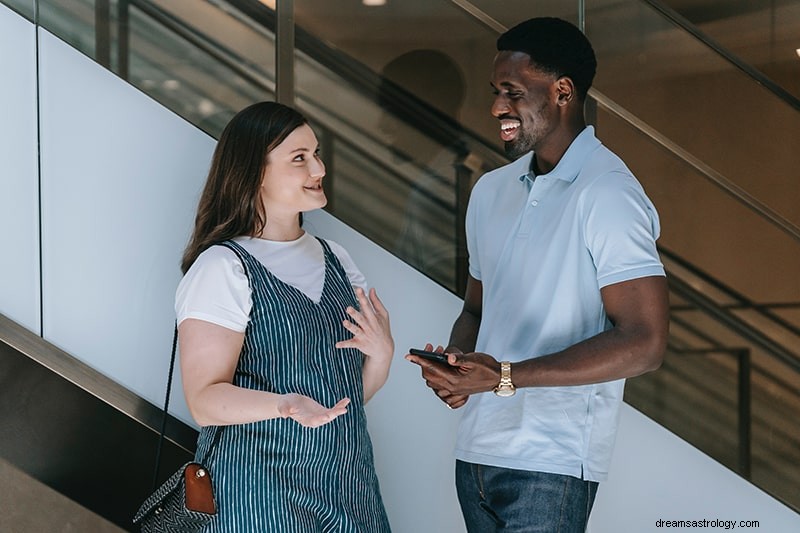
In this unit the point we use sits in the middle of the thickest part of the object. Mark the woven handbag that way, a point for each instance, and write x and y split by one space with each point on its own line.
184 503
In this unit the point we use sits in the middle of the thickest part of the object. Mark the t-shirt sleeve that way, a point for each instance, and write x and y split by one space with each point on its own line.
216 290
355 276
470 230
620 229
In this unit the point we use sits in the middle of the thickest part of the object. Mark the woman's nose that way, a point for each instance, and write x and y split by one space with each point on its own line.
317 168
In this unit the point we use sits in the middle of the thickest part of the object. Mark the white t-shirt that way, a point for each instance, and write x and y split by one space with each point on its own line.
216 289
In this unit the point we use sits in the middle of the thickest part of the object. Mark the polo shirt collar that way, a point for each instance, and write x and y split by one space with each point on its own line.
571 162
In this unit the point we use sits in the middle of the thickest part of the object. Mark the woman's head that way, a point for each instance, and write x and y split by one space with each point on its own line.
231 203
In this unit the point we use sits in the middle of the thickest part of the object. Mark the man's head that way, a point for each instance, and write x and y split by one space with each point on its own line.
556 47
542 73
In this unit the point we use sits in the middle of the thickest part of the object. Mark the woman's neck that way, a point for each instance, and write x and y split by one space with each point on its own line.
278 229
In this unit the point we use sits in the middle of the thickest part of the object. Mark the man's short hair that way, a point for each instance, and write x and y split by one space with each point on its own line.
556 47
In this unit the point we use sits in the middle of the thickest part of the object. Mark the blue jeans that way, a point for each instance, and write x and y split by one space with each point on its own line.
502 499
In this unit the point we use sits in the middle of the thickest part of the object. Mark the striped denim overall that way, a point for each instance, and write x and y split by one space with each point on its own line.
275 475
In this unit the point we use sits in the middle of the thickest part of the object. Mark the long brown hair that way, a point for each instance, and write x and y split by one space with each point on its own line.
230 205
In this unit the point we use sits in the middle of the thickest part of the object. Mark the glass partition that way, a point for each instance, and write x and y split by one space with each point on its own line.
26 8
761 32
701 102
201 61
422 123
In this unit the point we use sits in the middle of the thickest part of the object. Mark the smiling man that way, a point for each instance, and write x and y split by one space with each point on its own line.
566 297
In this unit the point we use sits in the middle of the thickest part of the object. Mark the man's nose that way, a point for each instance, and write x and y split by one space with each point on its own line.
499 106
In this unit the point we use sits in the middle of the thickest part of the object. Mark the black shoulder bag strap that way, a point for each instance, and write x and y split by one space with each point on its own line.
166 415
166 407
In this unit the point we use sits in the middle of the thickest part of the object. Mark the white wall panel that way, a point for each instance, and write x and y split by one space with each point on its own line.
655 476
120 181
19 175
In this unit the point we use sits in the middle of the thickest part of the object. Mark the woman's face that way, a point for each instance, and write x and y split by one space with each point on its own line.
292 181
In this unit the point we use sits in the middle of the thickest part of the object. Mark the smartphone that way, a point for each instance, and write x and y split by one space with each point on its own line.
430 356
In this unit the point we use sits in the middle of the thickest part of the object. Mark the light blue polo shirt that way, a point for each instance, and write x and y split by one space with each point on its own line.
542 249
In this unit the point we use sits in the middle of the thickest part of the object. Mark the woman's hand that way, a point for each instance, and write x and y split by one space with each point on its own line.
370 327
307 412
372 335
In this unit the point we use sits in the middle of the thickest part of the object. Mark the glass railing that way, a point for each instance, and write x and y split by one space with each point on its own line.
672 81
405 130
763 33
731 377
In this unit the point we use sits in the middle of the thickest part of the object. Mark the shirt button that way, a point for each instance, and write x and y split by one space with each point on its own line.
535 203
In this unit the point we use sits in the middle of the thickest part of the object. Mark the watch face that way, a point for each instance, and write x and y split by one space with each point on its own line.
505 391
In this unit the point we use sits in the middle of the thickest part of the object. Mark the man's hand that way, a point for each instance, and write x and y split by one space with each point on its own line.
464 374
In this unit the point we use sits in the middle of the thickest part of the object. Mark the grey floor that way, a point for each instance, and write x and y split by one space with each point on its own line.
28 506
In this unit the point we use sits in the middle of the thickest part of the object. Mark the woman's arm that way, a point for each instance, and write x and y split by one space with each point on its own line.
209 355
372 335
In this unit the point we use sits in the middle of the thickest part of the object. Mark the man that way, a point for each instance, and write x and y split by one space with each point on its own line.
565 288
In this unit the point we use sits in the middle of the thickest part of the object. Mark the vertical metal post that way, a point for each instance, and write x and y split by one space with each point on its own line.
102 32
745 435
123 38
466 167
284 52
590 106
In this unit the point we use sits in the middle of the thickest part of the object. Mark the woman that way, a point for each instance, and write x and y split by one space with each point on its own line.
279 352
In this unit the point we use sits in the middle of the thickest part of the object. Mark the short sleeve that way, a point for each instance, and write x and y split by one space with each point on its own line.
470 230
216 290
355 276
620 229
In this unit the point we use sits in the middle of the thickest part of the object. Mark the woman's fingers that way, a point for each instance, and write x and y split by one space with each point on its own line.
377 304
309 413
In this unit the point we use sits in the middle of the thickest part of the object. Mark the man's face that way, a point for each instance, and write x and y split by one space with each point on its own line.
525 103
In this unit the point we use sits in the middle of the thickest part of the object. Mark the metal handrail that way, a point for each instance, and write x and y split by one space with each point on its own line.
739 194
730 320
744 400
742 300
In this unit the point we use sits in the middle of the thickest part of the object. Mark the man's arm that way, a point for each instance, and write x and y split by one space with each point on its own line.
463 337
639 312
465 329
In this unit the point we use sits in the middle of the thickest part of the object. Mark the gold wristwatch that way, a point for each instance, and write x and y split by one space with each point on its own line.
505 387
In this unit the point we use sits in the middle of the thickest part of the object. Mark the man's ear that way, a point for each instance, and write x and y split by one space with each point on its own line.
565 90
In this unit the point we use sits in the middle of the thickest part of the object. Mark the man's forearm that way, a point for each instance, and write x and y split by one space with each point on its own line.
465 332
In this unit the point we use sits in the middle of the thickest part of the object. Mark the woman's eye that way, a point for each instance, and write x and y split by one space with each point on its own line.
299 158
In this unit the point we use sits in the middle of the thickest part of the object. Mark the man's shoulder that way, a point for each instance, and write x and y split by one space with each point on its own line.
603 169
510 172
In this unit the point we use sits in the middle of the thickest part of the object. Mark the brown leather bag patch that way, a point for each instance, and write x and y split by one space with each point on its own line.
199 495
